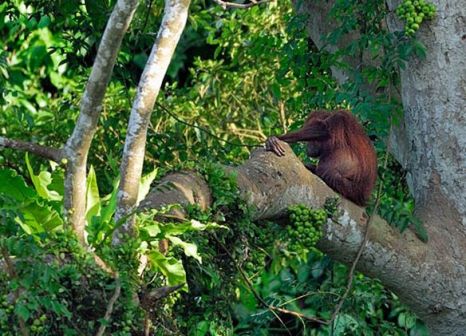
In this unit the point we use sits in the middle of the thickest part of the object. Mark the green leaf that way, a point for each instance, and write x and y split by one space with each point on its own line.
144 185
37 219
44 21
41 182
15 187
170 267
152 230
189 249
402 320
193 225
58 181
410 321
201 329
419 330
60 309
108 210
22 311
92 196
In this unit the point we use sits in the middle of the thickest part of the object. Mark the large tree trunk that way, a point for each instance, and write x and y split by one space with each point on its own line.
430 278
431 145
434 100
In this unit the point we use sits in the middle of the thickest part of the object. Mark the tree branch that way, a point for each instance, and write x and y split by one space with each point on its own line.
45 152
77 146
270 184
227 4
173 23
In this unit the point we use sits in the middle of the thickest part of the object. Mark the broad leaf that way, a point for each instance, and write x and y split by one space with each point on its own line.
37 219
41 182
152 230
92 196
108 210
170 267
144 185
14 186
189 249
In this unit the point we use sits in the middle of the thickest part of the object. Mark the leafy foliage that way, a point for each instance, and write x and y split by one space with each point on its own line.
241 75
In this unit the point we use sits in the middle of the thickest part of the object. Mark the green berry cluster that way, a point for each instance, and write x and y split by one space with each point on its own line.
38 325
6 312
306 228
413 13
255 262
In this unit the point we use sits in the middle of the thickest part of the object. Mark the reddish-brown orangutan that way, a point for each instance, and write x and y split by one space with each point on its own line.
347 160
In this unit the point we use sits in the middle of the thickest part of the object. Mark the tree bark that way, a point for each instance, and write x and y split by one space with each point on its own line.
77 146
434 99
429 278
45 152
431 145
173 23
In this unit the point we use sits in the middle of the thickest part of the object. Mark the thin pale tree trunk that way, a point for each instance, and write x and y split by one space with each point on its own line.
173 23
77 146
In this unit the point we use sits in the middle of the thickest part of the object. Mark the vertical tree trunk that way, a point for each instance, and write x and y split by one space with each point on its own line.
431 146
173 23
77 146
434 101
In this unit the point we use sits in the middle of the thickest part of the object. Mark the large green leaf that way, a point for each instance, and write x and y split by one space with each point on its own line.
144 185
37 219
41 182
152 230
170 267
92 196
14 186
189 249
108 210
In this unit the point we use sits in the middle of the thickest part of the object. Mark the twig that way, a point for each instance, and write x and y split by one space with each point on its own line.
110 305
226 4
49 153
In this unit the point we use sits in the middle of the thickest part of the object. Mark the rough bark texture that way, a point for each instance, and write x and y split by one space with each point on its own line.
431 146
77 146
173 23
434 100
430 278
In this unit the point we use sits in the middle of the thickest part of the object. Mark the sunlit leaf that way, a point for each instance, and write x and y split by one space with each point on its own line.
14 186
170 267
41 182
36 219
92 195
189 249
144 185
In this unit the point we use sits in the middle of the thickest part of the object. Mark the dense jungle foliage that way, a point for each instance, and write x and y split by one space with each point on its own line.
237 77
